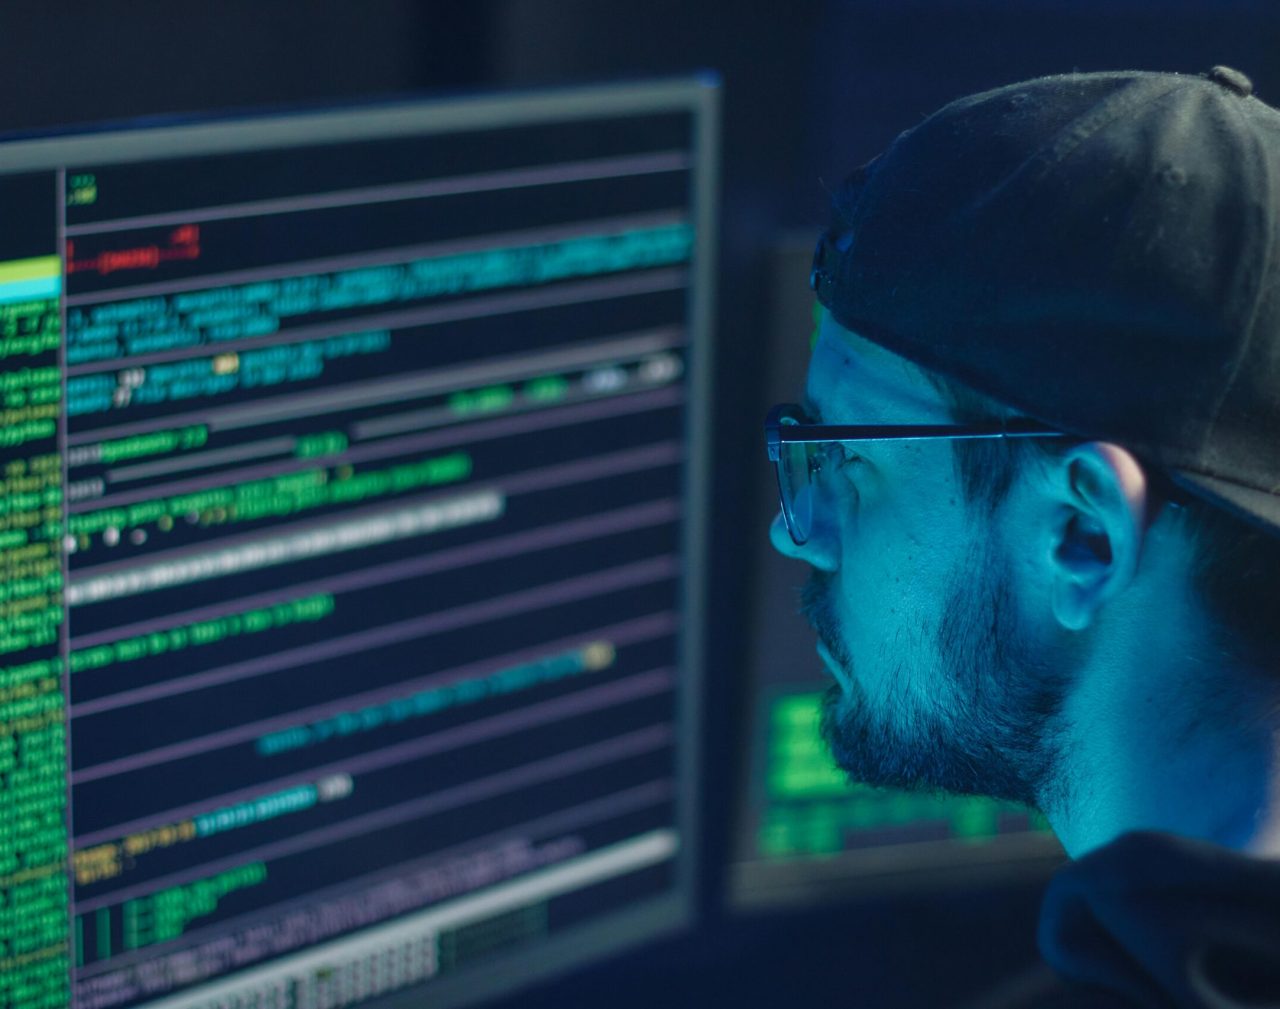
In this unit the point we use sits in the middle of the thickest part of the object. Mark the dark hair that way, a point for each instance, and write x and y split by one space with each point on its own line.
1237 566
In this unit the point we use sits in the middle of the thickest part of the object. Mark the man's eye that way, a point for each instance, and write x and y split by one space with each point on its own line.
848 458
840 456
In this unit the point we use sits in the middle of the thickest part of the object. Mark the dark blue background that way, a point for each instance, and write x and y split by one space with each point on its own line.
812 89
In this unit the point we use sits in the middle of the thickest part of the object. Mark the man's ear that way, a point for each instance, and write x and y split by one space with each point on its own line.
1099 527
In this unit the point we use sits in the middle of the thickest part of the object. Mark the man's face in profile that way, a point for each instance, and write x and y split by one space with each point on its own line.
938 685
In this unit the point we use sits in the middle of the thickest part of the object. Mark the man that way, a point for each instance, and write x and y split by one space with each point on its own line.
1037 477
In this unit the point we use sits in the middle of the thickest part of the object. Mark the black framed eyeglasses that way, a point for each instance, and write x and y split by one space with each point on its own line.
792 443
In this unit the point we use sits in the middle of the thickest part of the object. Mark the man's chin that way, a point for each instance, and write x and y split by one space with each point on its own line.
847 731
870 753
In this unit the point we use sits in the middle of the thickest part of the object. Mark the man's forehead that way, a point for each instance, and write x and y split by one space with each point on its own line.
855 344
852 380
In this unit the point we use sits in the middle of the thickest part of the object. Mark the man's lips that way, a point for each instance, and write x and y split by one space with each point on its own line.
832 666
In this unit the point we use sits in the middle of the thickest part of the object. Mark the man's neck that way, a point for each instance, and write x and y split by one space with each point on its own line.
1156 739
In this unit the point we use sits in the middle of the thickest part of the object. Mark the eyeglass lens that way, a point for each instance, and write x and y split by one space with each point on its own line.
795 462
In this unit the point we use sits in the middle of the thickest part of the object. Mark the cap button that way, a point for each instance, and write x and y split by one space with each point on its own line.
1232 80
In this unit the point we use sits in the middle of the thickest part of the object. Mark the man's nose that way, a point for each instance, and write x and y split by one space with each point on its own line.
816 550
781 539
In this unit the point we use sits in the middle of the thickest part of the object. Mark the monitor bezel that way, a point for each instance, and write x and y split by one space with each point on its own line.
420 115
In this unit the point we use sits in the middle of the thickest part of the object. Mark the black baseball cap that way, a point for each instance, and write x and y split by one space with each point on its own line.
1098 251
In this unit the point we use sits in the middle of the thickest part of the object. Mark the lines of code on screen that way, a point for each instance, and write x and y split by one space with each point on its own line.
350 556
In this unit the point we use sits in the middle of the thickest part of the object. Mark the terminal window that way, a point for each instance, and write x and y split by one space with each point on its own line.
344 493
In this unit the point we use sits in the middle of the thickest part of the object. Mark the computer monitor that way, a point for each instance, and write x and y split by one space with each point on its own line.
350 522
802 833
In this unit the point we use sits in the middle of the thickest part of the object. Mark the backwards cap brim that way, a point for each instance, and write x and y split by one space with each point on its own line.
1256 507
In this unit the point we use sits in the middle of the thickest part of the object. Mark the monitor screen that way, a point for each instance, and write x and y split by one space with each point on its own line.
803 834
350 518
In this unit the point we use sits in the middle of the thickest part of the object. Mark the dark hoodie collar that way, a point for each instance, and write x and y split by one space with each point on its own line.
1166 921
